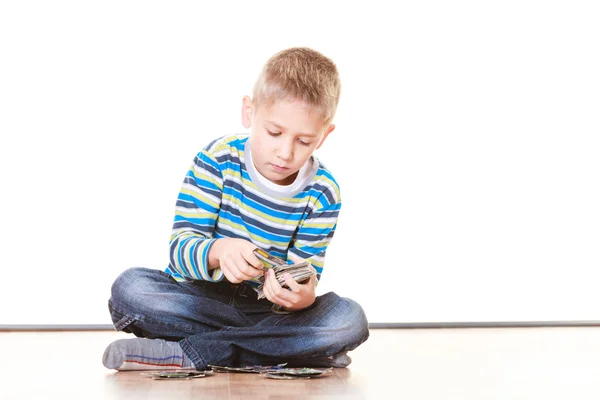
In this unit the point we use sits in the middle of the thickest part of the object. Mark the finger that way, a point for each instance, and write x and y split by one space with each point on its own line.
229 274
292 284
294 258
312 281
272 281
250 271
278 294
229 266
282 302
245 271
253 260
234 275
268 290
242 272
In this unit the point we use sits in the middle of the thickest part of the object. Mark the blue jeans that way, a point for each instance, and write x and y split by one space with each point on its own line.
225 324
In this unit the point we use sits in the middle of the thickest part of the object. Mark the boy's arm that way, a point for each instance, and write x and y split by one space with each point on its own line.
315 233
311 242
196 213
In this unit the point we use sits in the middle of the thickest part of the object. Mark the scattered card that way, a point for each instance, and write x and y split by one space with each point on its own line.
255 369
181 375
296 373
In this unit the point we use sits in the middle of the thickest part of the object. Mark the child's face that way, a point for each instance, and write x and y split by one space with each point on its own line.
283 136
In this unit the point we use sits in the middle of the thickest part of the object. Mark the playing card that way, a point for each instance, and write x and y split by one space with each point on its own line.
176 374
247 369
268 260
183 378
277 376
217 368
292 373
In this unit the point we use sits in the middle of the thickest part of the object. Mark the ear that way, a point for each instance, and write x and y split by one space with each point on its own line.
327 132
247 112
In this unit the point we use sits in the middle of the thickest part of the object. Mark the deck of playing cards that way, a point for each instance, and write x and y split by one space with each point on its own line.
300 272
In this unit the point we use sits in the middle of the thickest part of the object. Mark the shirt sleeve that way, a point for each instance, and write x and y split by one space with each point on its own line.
315 233
196 212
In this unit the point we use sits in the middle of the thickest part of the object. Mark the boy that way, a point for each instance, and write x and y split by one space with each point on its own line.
265 190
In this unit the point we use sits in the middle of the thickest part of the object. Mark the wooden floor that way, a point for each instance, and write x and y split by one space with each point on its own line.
509 363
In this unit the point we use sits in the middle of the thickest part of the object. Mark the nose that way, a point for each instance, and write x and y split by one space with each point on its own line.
286 150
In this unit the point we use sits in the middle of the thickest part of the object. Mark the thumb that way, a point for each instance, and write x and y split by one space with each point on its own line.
313 279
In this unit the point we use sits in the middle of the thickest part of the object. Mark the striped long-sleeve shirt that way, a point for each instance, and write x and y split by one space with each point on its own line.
222 197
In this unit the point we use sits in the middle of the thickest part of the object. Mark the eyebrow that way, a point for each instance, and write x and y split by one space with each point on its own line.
281 128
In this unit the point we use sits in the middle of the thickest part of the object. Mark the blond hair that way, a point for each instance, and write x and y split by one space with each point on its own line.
299 73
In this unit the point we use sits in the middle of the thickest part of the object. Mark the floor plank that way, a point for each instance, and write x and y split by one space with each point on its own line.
507 363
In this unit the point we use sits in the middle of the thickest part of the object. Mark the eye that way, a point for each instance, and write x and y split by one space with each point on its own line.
303 143
273 133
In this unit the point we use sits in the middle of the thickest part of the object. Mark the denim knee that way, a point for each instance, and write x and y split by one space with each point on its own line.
145 302
122 291
135 290
357 326
349 321
135 281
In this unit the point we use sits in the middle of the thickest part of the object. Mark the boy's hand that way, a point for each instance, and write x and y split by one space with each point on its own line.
297 297
236 258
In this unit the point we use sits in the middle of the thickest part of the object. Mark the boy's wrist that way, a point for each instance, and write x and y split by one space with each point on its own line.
214 254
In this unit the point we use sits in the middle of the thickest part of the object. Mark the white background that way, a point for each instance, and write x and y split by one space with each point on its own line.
467 148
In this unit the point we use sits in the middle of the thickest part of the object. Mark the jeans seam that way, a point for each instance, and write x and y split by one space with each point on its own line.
124 320
193 355
141 318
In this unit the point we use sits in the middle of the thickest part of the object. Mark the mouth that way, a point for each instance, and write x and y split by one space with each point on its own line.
279 168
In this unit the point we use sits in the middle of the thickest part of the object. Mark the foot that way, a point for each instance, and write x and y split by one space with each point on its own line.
340 360
145 354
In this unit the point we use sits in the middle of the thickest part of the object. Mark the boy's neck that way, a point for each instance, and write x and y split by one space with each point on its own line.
299 182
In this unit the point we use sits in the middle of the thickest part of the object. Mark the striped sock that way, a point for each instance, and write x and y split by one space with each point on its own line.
145 354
